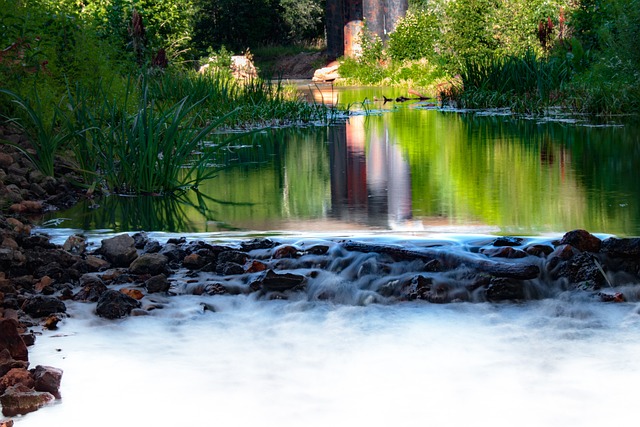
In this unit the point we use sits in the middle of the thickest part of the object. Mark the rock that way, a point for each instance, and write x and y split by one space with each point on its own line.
194 262
256 244
47 378
582 240
152 264
11 341
20 400
75 244
16 376
229 269
327 74
42 306
92 289
51 322
501 289
114 305
256 267
286 251
5 160
508 241
538 250
6 423
581 269
8 363
158 283
94 263
621 248
503 252
272 281
120 251
173 252
133 293
236 257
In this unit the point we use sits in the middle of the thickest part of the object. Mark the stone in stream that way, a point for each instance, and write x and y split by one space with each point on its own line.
43 306
16 376
20 400
272 281
621 248
157 283
47 378
114 305
152 264
503 289
120 250
7 362
582 240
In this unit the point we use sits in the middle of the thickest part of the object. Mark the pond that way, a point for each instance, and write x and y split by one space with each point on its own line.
407 167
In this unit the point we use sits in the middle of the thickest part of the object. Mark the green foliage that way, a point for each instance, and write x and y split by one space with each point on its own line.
415 36
254 23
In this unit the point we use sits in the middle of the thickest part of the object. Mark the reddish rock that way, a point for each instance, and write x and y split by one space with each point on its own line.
43 283
538 250
286 252
26 206
16 376
20 400
582 240
75 245
11 341
7 362
256 266
51 322
133 293
47 378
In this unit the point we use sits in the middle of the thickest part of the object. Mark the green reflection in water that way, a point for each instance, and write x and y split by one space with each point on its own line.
412 168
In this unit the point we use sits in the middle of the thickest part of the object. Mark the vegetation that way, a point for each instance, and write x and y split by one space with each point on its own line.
112 86
521 54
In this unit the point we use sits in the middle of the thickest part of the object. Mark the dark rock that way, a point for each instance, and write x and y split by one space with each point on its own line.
152 247
173 252
256 244
581 270
75 245
194 262
582 240
229 269
503 252
92 290
508 241
140 240
42 306
621 248
152 264
158 283
215 289
539 250
232 256
424 288
20 400
317 250
114 305
120 250
502 289
287 251
47 379
272 281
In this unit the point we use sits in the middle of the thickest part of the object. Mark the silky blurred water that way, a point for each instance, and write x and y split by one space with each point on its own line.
275 363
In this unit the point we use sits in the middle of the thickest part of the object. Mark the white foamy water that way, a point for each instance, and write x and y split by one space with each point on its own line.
560 362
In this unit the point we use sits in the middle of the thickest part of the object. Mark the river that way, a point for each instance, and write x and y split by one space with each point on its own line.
401 171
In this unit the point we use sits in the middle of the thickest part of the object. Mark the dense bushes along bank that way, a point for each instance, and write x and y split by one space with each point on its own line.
525 55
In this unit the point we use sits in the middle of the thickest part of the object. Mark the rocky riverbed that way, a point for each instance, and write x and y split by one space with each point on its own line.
134 275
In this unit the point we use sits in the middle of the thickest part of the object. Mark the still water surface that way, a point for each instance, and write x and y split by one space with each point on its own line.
404 167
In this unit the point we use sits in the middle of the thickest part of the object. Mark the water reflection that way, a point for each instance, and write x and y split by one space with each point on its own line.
408 169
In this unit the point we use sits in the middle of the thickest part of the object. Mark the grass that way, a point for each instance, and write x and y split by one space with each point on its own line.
155 136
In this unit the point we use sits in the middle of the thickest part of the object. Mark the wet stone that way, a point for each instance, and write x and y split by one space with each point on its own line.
152 264
114 305
47 379
257 244
582 240
43 306
503 252
501 289
119 250
621 248
508 241
158 283
236 257
538 250
20 400
229 269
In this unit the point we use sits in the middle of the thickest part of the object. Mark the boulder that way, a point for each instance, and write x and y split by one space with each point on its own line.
621 248
158 283
582 240
327 74
11 341
8 363
47 378
16 376
120 250
20 400
152 264
43 306
114 305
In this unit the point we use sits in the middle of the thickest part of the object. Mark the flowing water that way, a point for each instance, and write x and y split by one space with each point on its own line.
407 175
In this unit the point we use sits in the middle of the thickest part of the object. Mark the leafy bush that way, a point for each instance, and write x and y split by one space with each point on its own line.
416 36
